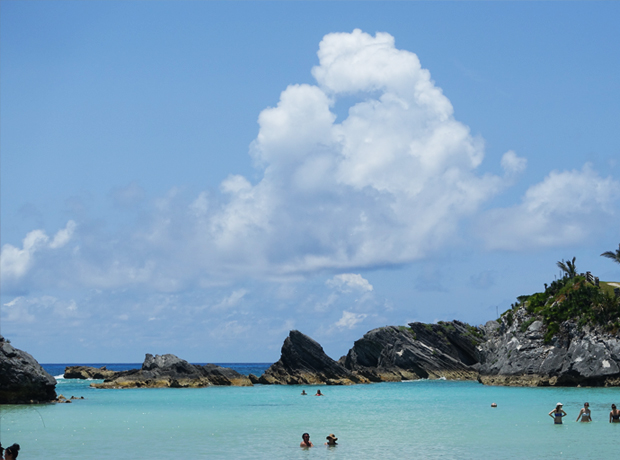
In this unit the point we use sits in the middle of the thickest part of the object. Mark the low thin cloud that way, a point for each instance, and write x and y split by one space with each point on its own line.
348 282
349 319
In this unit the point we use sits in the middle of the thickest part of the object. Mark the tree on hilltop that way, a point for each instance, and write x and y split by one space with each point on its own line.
615 256
568 267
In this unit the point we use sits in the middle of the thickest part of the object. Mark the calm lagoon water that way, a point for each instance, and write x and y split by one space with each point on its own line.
423 419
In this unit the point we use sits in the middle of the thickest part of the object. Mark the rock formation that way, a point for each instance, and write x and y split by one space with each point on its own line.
87 372
22 379
517 354
168 371
419 351
303 361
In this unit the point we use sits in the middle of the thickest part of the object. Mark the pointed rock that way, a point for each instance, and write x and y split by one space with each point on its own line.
303 361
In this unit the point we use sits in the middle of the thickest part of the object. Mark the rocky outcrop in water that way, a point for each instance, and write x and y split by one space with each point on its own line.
518 355
447 350
22 379
303 361
87 372
169 371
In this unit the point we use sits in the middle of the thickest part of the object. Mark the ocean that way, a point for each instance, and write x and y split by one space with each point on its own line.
429 419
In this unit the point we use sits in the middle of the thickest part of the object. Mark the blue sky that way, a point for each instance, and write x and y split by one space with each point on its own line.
199 178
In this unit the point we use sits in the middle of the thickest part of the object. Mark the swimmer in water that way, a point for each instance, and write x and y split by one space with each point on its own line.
318 393
557 414
331 440
306 441
614 415
10 453
303 392
585 414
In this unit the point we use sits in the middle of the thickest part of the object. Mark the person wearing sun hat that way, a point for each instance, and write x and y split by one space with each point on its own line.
331 440
557 414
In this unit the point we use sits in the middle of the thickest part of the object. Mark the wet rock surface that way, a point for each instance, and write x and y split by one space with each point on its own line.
169 371
22 379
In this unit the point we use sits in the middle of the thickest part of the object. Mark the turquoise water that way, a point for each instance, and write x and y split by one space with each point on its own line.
423 419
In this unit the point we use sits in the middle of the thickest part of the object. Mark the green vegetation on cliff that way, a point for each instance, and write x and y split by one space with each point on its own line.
570 298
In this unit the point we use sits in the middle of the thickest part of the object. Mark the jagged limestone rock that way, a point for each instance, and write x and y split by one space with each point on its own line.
421 351
586 356
169 371
303 361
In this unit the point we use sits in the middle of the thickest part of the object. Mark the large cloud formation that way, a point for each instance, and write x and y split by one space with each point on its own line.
386 185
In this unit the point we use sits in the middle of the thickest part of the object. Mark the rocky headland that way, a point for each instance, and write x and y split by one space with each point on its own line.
518 355
169 371
566 336
22 379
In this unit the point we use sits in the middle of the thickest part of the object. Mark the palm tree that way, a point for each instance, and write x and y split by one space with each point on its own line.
568 268
613 255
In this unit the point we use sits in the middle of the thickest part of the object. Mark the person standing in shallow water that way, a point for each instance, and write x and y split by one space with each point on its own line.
557 414
614 415
585 414
306 441
331 440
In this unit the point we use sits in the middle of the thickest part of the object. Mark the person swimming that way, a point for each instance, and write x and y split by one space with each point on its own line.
614 415
585 414
557 414
303 392
318 393
331 440
306 443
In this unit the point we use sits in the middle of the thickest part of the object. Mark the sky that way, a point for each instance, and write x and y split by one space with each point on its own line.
199 178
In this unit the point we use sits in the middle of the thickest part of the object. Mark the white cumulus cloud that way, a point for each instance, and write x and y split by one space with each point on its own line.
15 262
564 208
389 183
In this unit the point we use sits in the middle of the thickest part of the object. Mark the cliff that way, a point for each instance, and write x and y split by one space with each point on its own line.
518 354
446 349
169 371
566 335
22 379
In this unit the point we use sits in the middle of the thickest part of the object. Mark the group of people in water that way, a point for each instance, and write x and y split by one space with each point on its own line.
318 393
306 443
585 415
10 453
